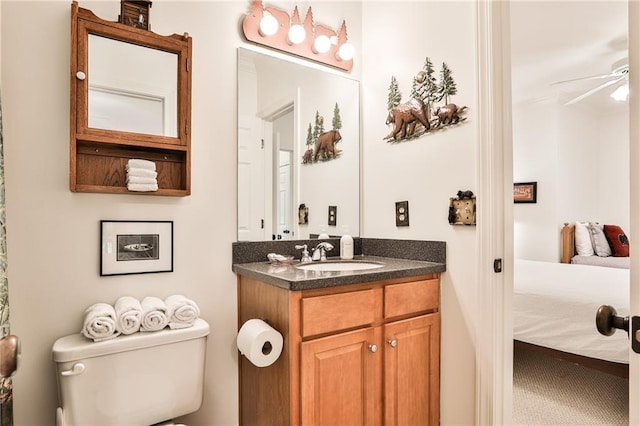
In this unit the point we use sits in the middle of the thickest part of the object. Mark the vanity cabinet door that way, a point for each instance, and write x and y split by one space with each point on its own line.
412 371
340 379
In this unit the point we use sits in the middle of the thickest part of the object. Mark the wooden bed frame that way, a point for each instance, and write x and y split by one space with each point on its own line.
568 242
609 367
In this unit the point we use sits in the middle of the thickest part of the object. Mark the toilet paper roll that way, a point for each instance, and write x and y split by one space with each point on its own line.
259 342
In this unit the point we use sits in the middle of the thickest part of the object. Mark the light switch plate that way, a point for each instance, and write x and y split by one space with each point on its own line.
402 213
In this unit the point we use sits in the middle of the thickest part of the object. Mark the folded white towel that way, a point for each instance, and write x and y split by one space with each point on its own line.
141 172
128 314
100 322
182 311
154 314
141 164
142 187
141 179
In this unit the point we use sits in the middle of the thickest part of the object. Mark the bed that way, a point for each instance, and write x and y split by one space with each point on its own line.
570 252
555 305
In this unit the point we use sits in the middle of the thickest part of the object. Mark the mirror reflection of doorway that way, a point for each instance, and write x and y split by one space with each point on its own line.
284 194
283 182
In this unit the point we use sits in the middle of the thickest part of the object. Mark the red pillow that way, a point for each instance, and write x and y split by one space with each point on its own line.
617 240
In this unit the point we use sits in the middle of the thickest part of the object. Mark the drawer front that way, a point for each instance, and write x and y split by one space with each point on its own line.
334 312
409 298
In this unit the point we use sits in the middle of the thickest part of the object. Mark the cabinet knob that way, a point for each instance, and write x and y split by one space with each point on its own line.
373 348
393 343
80 75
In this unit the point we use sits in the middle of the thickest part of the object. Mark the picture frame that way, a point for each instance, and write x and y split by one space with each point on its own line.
525 192
135 247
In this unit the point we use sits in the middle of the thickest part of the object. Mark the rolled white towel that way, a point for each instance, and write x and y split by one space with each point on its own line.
141 179
142 187
141 164
141 172
129 314
182 311
100 322
154 314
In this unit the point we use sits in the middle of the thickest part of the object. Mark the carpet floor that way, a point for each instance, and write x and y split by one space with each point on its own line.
547 391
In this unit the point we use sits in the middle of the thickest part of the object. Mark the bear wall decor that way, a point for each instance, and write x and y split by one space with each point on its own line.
429 107
322 145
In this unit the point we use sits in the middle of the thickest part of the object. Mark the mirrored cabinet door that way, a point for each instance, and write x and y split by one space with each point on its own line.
130 99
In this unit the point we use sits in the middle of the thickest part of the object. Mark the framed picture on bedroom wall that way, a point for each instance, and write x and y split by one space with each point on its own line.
525 192
135 247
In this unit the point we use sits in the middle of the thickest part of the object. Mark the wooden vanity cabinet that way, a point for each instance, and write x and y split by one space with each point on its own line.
366 354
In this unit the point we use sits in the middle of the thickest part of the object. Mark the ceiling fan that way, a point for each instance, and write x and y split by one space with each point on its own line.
619 74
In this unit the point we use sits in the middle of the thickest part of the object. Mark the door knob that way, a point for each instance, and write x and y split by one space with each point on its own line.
608 320
9 355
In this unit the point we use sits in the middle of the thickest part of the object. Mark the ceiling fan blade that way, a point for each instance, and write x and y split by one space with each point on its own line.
594 90
593 77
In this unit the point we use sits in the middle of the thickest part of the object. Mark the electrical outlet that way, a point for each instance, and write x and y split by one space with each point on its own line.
333 215
402 213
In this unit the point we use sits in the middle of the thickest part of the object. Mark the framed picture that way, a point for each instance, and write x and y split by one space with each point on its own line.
525 192
135 247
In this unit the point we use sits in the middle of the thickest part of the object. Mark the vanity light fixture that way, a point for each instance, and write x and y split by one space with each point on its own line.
274 28
297 33
268 25
321 44
346 52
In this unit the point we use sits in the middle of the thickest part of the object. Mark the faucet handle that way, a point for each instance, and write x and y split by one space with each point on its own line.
305 253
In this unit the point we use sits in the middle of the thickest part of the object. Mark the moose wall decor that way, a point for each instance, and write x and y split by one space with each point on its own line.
429 107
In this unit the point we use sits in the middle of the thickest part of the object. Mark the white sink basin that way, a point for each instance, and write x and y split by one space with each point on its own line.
339 266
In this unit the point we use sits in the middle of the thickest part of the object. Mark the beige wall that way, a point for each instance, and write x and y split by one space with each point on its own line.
429 170
53 234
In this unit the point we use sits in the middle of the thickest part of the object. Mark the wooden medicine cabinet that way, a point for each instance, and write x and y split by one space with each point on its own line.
130 98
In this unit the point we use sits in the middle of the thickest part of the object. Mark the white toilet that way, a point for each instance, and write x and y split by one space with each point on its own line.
136 380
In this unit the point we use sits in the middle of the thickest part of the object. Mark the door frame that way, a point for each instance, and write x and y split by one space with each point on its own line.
494 332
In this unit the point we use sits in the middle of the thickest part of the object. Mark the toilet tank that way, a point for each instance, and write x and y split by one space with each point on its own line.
139 379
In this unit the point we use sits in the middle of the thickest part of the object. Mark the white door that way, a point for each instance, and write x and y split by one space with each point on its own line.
285 226
251 182
634 167
283 154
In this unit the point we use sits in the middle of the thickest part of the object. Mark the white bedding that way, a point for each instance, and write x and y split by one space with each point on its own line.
555 306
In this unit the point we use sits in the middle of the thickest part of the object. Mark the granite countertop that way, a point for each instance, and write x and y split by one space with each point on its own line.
292 278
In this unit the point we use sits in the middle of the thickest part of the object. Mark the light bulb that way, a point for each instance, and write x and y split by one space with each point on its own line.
621 93
322 44
268 25
297 34
346 52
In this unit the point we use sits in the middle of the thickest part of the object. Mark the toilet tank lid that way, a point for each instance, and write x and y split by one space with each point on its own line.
76 347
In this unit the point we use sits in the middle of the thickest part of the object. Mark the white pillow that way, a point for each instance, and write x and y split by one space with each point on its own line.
598 240
584 247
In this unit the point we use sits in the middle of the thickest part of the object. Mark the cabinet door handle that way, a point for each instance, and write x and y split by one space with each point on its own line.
373 348
393 343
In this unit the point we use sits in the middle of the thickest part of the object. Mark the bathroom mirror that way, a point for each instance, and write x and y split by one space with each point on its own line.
129 80
124 95
288 189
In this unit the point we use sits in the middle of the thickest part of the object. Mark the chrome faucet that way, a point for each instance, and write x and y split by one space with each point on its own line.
320 252
305 253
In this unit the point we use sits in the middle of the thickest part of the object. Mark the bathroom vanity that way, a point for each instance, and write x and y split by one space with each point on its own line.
360 346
